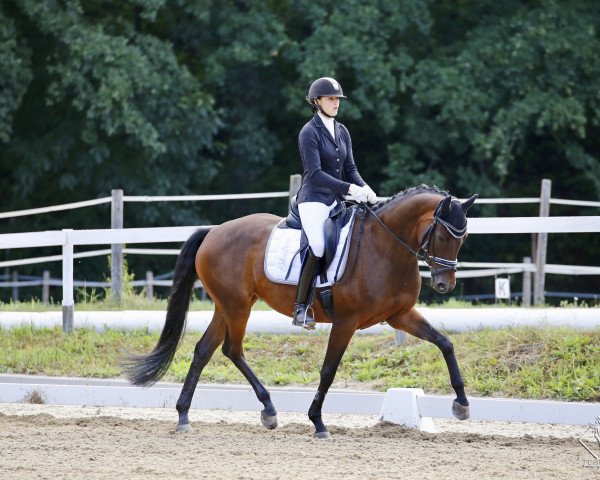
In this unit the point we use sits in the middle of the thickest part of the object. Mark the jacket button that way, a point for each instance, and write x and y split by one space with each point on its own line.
337 169
336 149
338 159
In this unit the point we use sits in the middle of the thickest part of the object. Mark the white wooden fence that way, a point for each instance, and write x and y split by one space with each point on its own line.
69 238
117 236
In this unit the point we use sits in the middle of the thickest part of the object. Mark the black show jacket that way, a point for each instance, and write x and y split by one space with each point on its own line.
328 164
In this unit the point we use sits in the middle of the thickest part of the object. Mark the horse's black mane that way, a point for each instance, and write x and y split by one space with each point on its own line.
410 192
455 216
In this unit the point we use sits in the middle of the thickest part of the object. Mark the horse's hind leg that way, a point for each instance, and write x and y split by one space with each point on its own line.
234 350
210 341
415 324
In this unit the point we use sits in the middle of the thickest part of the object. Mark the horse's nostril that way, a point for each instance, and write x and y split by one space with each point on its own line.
441 287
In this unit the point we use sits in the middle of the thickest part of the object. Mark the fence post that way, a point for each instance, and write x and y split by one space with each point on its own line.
526 283
68 304
15 289
542 245
295 182
399 337
149 285
46 287
116 262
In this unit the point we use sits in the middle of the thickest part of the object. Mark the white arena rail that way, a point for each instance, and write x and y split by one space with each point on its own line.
407 406
55 208
88 254
489 225
483 269
502 225
196 198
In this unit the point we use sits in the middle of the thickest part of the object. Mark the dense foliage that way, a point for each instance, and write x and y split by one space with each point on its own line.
165 97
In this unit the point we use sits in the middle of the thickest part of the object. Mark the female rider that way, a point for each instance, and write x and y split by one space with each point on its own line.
329 173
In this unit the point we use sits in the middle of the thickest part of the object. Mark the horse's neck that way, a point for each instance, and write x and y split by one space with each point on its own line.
406 217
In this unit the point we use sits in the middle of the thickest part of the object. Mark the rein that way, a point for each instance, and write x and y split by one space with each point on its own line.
423 252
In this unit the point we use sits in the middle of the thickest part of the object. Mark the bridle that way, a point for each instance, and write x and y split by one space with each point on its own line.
428 242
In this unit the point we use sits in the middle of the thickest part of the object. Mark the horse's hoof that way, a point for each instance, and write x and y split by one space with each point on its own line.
184 428
460 411
322 435
269 421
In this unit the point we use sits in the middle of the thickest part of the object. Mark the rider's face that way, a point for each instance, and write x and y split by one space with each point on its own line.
330 105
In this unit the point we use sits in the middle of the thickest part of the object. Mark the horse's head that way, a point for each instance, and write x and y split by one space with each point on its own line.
441 240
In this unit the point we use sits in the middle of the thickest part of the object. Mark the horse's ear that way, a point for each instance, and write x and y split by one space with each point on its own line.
445 206
467 204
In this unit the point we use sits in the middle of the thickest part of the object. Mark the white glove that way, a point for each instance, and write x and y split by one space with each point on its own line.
371 195
359 193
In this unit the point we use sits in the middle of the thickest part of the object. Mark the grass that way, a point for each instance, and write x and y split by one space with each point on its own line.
553 363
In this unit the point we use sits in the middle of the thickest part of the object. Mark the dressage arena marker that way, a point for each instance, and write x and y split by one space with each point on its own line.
407 406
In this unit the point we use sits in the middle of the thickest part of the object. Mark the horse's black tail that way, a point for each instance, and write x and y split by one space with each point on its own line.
147 370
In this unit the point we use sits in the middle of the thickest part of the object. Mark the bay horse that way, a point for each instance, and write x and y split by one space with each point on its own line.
381 283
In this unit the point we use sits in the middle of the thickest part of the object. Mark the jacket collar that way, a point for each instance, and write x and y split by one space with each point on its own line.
336 127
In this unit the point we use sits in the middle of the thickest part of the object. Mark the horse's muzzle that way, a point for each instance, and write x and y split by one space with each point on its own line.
443 283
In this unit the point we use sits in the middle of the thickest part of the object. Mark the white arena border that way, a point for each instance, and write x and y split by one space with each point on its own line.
406 406
269 321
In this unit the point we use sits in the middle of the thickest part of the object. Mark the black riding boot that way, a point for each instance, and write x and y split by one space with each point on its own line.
306 283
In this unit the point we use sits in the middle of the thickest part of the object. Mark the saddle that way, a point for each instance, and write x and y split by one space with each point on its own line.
339 216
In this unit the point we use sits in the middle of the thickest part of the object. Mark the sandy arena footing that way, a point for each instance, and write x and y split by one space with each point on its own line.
45 441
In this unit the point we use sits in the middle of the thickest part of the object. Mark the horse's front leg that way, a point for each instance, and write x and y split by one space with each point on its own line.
339 338
415 324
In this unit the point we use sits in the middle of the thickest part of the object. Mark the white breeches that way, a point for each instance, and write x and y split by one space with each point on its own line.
313 216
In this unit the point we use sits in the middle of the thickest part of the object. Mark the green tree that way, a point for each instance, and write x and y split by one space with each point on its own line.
524 78
106 105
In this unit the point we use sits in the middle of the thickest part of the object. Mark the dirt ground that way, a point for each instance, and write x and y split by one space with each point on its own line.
53 442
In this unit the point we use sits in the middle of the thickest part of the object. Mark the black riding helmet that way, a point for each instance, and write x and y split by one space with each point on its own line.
323 87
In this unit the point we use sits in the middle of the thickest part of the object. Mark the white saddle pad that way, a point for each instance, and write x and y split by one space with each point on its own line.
284 243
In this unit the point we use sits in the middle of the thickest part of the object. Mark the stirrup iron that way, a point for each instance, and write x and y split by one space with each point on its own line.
302 319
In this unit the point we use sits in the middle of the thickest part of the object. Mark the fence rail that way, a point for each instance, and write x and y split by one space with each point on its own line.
482 269
247 196
488 225
151 281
